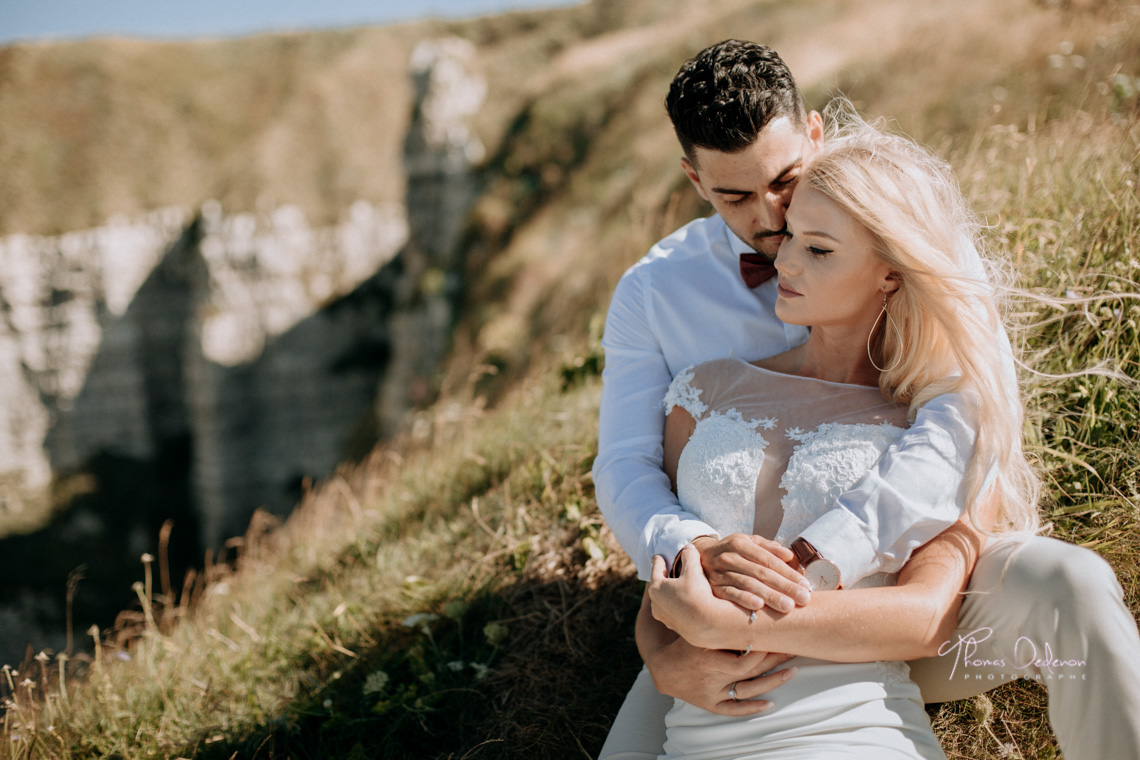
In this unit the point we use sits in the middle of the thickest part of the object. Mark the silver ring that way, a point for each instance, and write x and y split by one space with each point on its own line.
732 692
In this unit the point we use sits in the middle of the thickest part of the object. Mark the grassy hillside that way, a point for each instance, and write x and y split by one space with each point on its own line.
458 595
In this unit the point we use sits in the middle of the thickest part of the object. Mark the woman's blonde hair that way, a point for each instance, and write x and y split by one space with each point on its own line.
950 336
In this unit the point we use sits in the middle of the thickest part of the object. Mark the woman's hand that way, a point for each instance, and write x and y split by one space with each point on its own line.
686 604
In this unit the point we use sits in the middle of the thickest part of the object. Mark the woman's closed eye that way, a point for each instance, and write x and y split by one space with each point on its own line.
814 250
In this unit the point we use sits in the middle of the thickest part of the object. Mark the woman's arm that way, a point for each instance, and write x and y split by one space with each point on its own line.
906 621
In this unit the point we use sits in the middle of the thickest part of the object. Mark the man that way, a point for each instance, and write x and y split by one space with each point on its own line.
706 292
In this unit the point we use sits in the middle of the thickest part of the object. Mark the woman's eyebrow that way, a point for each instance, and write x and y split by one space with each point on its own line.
820 234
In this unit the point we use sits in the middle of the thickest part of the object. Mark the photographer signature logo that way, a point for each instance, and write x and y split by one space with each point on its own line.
1029 658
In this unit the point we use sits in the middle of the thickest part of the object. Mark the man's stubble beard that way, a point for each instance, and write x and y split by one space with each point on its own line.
768 243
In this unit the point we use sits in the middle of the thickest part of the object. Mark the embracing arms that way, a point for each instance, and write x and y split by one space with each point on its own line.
633 491
696 321
906 621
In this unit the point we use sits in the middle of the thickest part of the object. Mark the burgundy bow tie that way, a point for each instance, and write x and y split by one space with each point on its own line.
756 269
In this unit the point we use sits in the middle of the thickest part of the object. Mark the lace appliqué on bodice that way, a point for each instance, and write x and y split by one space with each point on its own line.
717 471
826 462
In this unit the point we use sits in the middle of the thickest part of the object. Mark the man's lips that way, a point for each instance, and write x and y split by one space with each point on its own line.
785 291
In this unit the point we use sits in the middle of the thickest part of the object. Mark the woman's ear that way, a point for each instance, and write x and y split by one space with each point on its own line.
891 283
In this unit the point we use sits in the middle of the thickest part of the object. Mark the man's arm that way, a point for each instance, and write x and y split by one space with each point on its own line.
913 493
909 620
703 677
632 489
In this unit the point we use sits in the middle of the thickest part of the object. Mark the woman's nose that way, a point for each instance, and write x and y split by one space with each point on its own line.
784 256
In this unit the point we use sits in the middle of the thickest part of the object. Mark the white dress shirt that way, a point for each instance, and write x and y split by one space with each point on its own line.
686 303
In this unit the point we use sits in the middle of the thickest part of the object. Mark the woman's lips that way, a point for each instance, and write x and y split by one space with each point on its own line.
785 291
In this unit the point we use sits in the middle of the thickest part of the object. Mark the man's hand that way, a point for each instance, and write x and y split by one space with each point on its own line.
752 572
703 677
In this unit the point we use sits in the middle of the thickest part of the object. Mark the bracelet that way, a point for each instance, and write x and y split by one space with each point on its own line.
675 570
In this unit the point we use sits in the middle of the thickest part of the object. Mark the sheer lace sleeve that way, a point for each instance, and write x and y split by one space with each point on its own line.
682 393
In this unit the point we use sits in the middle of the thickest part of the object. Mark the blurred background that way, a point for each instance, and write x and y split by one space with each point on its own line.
231 260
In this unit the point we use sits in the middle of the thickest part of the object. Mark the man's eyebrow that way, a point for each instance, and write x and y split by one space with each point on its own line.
795 164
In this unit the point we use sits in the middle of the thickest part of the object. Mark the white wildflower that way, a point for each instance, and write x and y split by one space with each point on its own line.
376 682
421 620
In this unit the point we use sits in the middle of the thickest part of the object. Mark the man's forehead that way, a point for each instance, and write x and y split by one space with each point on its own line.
777 149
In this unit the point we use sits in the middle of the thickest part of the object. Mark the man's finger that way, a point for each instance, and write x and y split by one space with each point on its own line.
739 597
767 661
741 707
771 590
749 559
754 687
781 551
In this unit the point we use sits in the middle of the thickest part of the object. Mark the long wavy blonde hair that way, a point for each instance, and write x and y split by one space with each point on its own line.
950 337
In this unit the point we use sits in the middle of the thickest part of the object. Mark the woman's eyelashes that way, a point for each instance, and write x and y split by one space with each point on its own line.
814 250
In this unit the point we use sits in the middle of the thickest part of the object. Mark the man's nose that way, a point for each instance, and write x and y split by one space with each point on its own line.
771 211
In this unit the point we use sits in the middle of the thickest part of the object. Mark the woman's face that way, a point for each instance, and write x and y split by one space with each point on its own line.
829 273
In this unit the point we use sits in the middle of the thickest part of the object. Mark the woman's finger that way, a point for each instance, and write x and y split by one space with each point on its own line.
657 572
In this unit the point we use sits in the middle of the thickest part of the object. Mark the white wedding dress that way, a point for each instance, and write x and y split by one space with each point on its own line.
769 455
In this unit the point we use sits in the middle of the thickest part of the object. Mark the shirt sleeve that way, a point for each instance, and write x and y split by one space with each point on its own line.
914 492
632 488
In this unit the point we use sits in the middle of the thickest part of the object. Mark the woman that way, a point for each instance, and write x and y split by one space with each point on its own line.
879 260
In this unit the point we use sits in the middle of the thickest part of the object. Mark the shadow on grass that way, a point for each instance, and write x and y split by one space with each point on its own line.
534 669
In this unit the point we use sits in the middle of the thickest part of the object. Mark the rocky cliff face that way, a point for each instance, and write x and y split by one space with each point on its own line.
228 331
199 364
440 154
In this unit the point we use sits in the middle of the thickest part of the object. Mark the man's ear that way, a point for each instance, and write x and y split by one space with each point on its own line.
815 129
695 178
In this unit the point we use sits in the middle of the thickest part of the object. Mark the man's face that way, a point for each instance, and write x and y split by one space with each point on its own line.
751 188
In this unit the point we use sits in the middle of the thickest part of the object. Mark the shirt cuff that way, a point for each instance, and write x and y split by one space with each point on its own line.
671 542
839 537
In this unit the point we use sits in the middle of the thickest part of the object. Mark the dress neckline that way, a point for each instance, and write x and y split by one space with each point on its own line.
808 379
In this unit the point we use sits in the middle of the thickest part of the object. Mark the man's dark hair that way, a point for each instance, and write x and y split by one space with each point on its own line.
723 97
